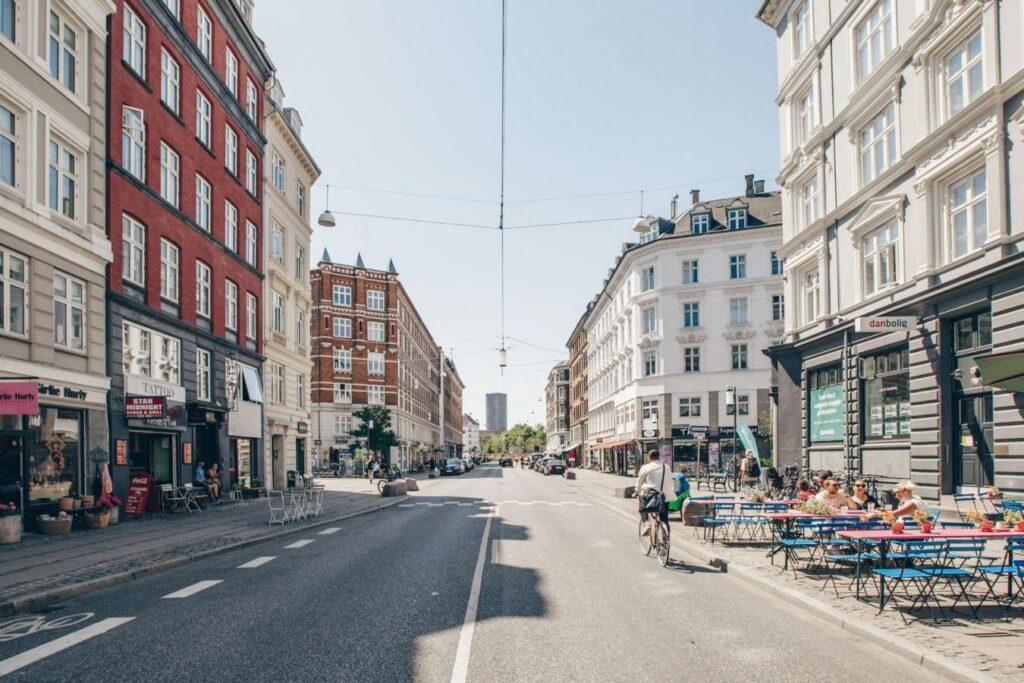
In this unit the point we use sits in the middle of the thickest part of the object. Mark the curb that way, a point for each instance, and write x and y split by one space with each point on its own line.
891 643
24 604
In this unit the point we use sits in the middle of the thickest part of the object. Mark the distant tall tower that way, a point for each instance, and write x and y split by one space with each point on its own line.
497 412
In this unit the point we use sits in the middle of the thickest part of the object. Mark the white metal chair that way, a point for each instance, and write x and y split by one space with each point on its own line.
276 505
318 501
171 500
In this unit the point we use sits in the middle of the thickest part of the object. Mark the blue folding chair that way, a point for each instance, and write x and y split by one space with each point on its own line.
801 539
719 520
909 575
1009 568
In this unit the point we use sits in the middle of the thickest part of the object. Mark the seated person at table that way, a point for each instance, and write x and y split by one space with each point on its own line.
908 501
803 490
861 498
213 481
833 494
819 480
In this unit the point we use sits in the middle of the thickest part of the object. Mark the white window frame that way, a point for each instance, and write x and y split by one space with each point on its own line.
300 263
375 363
649 320
277 312
341 295
9 283
375 331
810 206
880 254
251 243
204 117
774 263
877 28
62 178
251 315
376 395
133 142
204 278
691 269
375 300
300 199
230 226
300 389
231 150
342 392
778 307
170 81
203 377
962 75
342 360
878 144
648 280
59 51
231 71
203 202
251 99
170 270
969 207
278 174
341 327
134 42
65 308
691 315
170 174
204 33
810 295
9 131
230 305
737 266
736 219
300 327
803 31
251 173
700 223
739 310
156 356
806 118
133 250
692 406
276 241
649 363
740 356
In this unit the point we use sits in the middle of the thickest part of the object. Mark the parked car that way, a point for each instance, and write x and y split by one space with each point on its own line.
506 462
554 466
468 463
453 466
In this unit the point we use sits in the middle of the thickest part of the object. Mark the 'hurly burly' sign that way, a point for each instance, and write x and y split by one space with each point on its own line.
19 398
827 414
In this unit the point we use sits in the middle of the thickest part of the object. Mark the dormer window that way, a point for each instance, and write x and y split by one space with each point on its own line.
699 223
650 235
737 218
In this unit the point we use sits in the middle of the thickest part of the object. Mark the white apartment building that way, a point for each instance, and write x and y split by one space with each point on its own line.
684 315
290 173
470 434
901 127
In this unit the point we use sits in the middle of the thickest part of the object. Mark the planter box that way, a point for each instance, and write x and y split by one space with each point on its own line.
10 529
54 527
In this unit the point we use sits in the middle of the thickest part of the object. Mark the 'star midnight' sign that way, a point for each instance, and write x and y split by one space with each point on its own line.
144 407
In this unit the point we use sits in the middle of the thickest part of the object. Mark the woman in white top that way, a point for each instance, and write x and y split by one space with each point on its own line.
909 502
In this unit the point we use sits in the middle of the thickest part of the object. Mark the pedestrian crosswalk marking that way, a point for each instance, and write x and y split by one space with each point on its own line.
188 591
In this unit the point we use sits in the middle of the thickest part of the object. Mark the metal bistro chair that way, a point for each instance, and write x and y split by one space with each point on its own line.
1009 567
719 519
171 500
192 498
277 507
318 498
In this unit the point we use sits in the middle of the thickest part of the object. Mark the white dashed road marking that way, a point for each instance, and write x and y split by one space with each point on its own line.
64 642
461 667
487 506
258 562
191 590
299 544
330 530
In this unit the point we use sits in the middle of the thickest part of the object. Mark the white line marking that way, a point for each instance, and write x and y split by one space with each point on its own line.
64 642
451 502
330 530
469 623
258 562
299 544
496 551
408 505
191 590
464 505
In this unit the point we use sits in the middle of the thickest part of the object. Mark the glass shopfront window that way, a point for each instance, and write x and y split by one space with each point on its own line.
886 390
55 460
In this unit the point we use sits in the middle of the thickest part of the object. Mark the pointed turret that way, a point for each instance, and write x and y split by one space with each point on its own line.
359 261
391 267
326 258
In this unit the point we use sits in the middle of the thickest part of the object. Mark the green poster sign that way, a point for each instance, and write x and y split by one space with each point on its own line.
827 414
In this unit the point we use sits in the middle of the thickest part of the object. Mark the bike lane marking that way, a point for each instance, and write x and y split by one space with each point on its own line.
330 530
299 544
461 667
45 650
258 562
189 591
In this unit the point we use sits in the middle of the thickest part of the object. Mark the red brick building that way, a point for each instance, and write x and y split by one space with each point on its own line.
185 149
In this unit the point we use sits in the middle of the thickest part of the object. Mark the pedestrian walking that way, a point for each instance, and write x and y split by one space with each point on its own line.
750 470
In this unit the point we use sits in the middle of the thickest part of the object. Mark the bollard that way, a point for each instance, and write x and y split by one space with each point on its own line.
569 474
411 485
394 488
626 492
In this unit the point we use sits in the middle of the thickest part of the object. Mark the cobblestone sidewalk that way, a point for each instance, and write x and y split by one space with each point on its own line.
992 646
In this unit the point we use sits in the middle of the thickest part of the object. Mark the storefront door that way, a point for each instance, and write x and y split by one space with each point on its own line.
153 454
973 467
277 458
300 456
11 480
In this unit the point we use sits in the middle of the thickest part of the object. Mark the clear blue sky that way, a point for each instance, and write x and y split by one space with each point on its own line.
603 96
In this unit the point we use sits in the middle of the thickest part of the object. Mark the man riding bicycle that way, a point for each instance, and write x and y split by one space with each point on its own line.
653 479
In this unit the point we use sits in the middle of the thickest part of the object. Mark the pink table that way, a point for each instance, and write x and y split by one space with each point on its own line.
786 516
936 535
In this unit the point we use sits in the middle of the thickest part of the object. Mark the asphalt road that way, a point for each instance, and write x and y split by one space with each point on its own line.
556 586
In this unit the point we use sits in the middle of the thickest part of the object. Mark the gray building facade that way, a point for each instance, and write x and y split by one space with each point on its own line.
497 412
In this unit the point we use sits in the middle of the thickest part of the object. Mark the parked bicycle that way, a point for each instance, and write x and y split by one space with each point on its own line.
389 476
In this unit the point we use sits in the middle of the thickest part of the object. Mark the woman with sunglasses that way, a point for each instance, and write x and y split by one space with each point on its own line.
861 499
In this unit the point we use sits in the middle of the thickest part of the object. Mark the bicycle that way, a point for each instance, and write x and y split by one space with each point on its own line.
655 535
388 477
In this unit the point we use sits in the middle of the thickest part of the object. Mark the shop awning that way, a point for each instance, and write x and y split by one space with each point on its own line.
614 444
1002 370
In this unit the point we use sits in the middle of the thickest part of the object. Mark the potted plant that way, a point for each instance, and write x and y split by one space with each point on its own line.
924 520
994 492
981 521
10 523
1015 518
59 525
112 504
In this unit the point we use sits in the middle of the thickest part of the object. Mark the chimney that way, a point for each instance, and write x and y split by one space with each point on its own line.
758 187
694 197
674 206
750 184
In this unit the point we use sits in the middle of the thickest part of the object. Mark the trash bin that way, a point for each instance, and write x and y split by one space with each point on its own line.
291 479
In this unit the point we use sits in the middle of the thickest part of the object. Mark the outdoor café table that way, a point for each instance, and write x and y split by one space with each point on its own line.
884 538
781 521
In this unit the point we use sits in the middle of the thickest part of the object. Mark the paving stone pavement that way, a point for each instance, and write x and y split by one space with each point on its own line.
993 646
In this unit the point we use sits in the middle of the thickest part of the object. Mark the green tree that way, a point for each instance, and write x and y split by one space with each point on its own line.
379 438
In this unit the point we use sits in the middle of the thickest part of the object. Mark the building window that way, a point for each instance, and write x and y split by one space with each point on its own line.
202 203
251 315
277 168
691 359
737 218
375 395
251 173
169 270
691 314
964 71
778 307
375 331
147 353
878 145
134 42
809 201
341 295
14 290
63 56
880 249
300 390
251 99
231 71
649 320
342 360
300 199
276 242
231 305
230 226
886 387
967 211
738 311
300 263
63 179
7 145
691 272
204 33
375 300
170 166
170 76
343 328
874 38
204 112
811 298
743 402
133 142
250 243
7 18
375 363
300 327
133 250
342 424
972 332
802 32
805 115
342 392
647 279
739 357
689 407
737 267
776 263
231 150
699 223
68 312
202 289
203 380
650 361
277 312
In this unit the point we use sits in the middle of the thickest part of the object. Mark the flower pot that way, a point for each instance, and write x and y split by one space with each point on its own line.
897 528
926 527
1020 526
97 521
115 515
10 529
987 525
88 501
66 503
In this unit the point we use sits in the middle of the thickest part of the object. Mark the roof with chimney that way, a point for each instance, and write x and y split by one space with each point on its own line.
763 209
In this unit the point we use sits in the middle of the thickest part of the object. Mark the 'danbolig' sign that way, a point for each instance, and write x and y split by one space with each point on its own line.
885 323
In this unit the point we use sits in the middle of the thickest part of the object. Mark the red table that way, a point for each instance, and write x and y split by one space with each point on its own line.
935 535
787 516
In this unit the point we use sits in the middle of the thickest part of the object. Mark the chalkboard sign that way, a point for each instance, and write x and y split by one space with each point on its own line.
139 488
